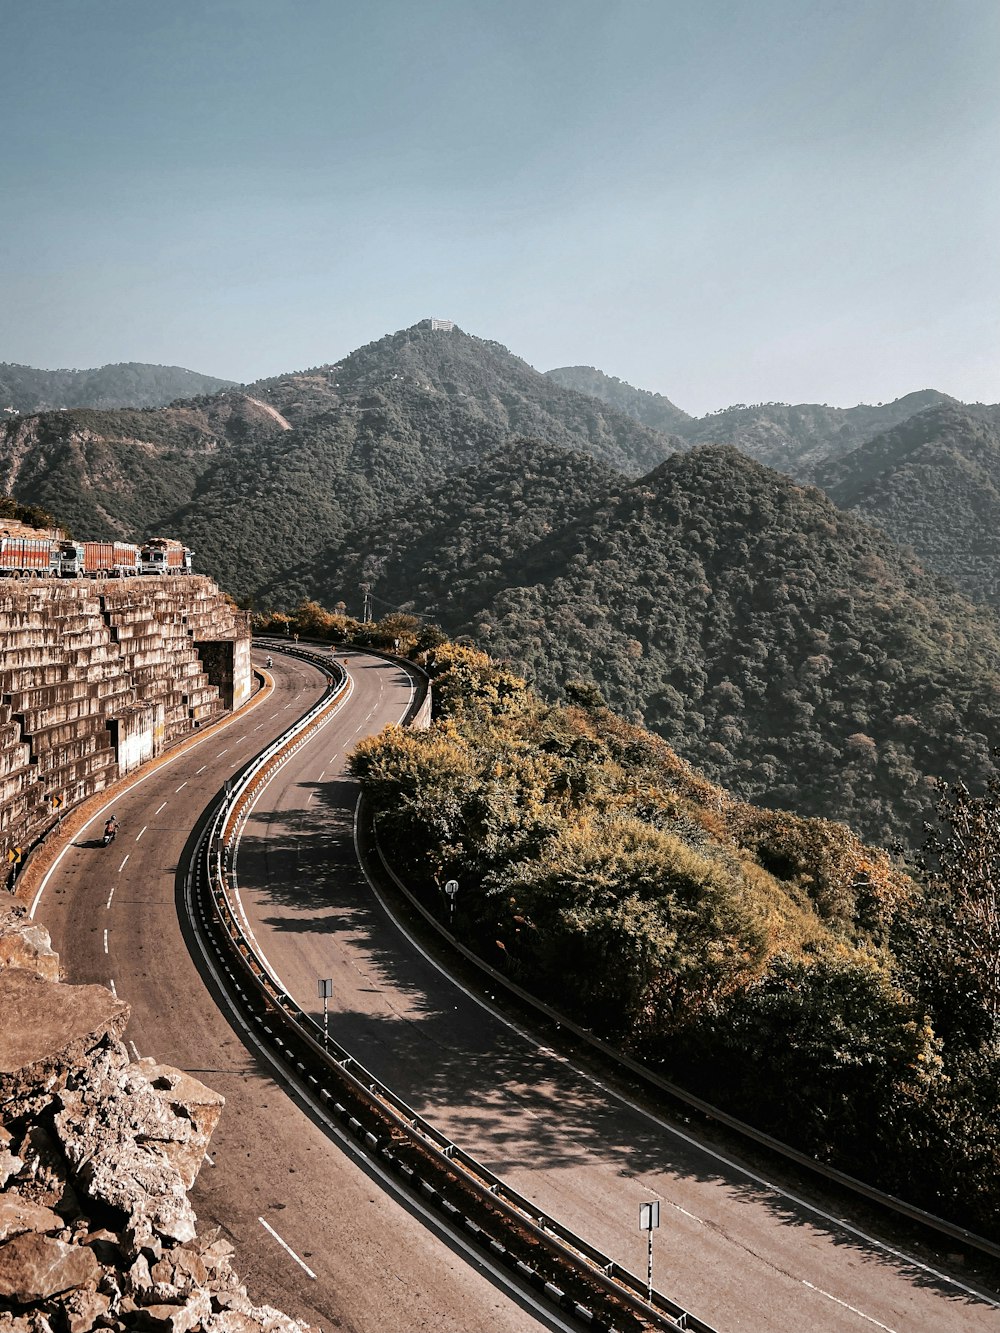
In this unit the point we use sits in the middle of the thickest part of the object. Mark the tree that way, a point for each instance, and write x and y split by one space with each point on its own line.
960 861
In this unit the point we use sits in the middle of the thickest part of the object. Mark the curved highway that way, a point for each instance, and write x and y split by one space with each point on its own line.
733 1249
315 1232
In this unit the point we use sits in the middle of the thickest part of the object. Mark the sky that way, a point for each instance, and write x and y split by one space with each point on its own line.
720 201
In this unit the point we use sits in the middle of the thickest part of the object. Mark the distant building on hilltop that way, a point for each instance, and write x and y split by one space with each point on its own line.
444 325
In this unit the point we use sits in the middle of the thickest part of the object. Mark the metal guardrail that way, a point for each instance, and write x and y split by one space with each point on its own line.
442 1167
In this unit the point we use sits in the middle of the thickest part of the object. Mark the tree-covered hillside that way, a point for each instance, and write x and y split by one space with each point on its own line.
798 438
771 963
24 389
652 409
933 483
786 648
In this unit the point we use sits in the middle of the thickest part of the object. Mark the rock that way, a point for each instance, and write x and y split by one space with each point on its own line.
191 1113
25 945
182 1268
10 1166
83 1308
232 1321
17 1216
174 1318
50 1033
34 1267
45 1176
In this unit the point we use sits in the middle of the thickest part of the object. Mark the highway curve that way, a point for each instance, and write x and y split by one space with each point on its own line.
732 1249
316 1233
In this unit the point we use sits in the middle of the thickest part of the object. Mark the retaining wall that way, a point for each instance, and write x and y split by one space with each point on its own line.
99 676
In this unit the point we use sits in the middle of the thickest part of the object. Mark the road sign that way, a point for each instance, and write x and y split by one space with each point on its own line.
56 802
13 855
325 987
649 1217
451 888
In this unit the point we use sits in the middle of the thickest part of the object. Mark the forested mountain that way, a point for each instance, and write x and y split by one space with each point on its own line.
652 409
934 483
260 480
786 648
24 389
798 438
449 549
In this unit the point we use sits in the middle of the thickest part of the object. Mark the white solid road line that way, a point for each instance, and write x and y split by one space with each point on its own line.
853 1309
285 1246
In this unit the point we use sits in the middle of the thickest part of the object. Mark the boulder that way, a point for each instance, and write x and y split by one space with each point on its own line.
83 1308
190 1113
34 1267
50 1034
17 1215
26 945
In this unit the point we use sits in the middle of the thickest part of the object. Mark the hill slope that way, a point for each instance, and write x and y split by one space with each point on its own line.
798 438
934 483
652 409
24 389
254 493
786 648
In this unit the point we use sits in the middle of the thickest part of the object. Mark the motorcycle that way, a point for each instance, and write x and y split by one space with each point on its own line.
109 835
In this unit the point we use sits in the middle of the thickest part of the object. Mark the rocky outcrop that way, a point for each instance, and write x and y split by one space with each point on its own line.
97 1154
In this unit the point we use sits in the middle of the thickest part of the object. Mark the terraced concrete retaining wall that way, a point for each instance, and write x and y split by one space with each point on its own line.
99 676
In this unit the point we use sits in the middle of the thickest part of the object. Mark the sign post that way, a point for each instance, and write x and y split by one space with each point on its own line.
325 988
451 889
649 1217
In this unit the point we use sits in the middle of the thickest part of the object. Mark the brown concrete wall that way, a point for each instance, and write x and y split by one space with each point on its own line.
97 677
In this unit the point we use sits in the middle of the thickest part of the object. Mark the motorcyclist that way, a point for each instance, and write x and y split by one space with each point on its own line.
268 662
110 828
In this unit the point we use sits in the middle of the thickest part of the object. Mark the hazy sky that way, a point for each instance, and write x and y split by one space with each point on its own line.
721 201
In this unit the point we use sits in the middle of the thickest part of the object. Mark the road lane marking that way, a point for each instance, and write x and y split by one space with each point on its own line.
320 778
257 728
209 1160
285 1246
114 991
201 770
181 787
159 808
105 941
141 832
122 866
110 896
853 1309
134 1050
219 755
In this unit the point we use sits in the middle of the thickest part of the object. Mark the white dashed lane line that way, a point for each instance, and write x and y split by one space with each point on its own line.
159 808
141 832
105 941
199 771
122 866
181 787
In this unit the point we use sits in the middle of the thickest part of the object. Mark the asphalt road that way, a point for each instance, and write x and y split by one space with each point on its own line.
731 1248
316 1233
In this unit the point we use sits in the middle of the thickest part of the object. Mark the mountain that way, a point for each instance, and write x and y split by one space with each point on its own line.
24 389
446 551
257 481
933 483
787 649
798 439
652 409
